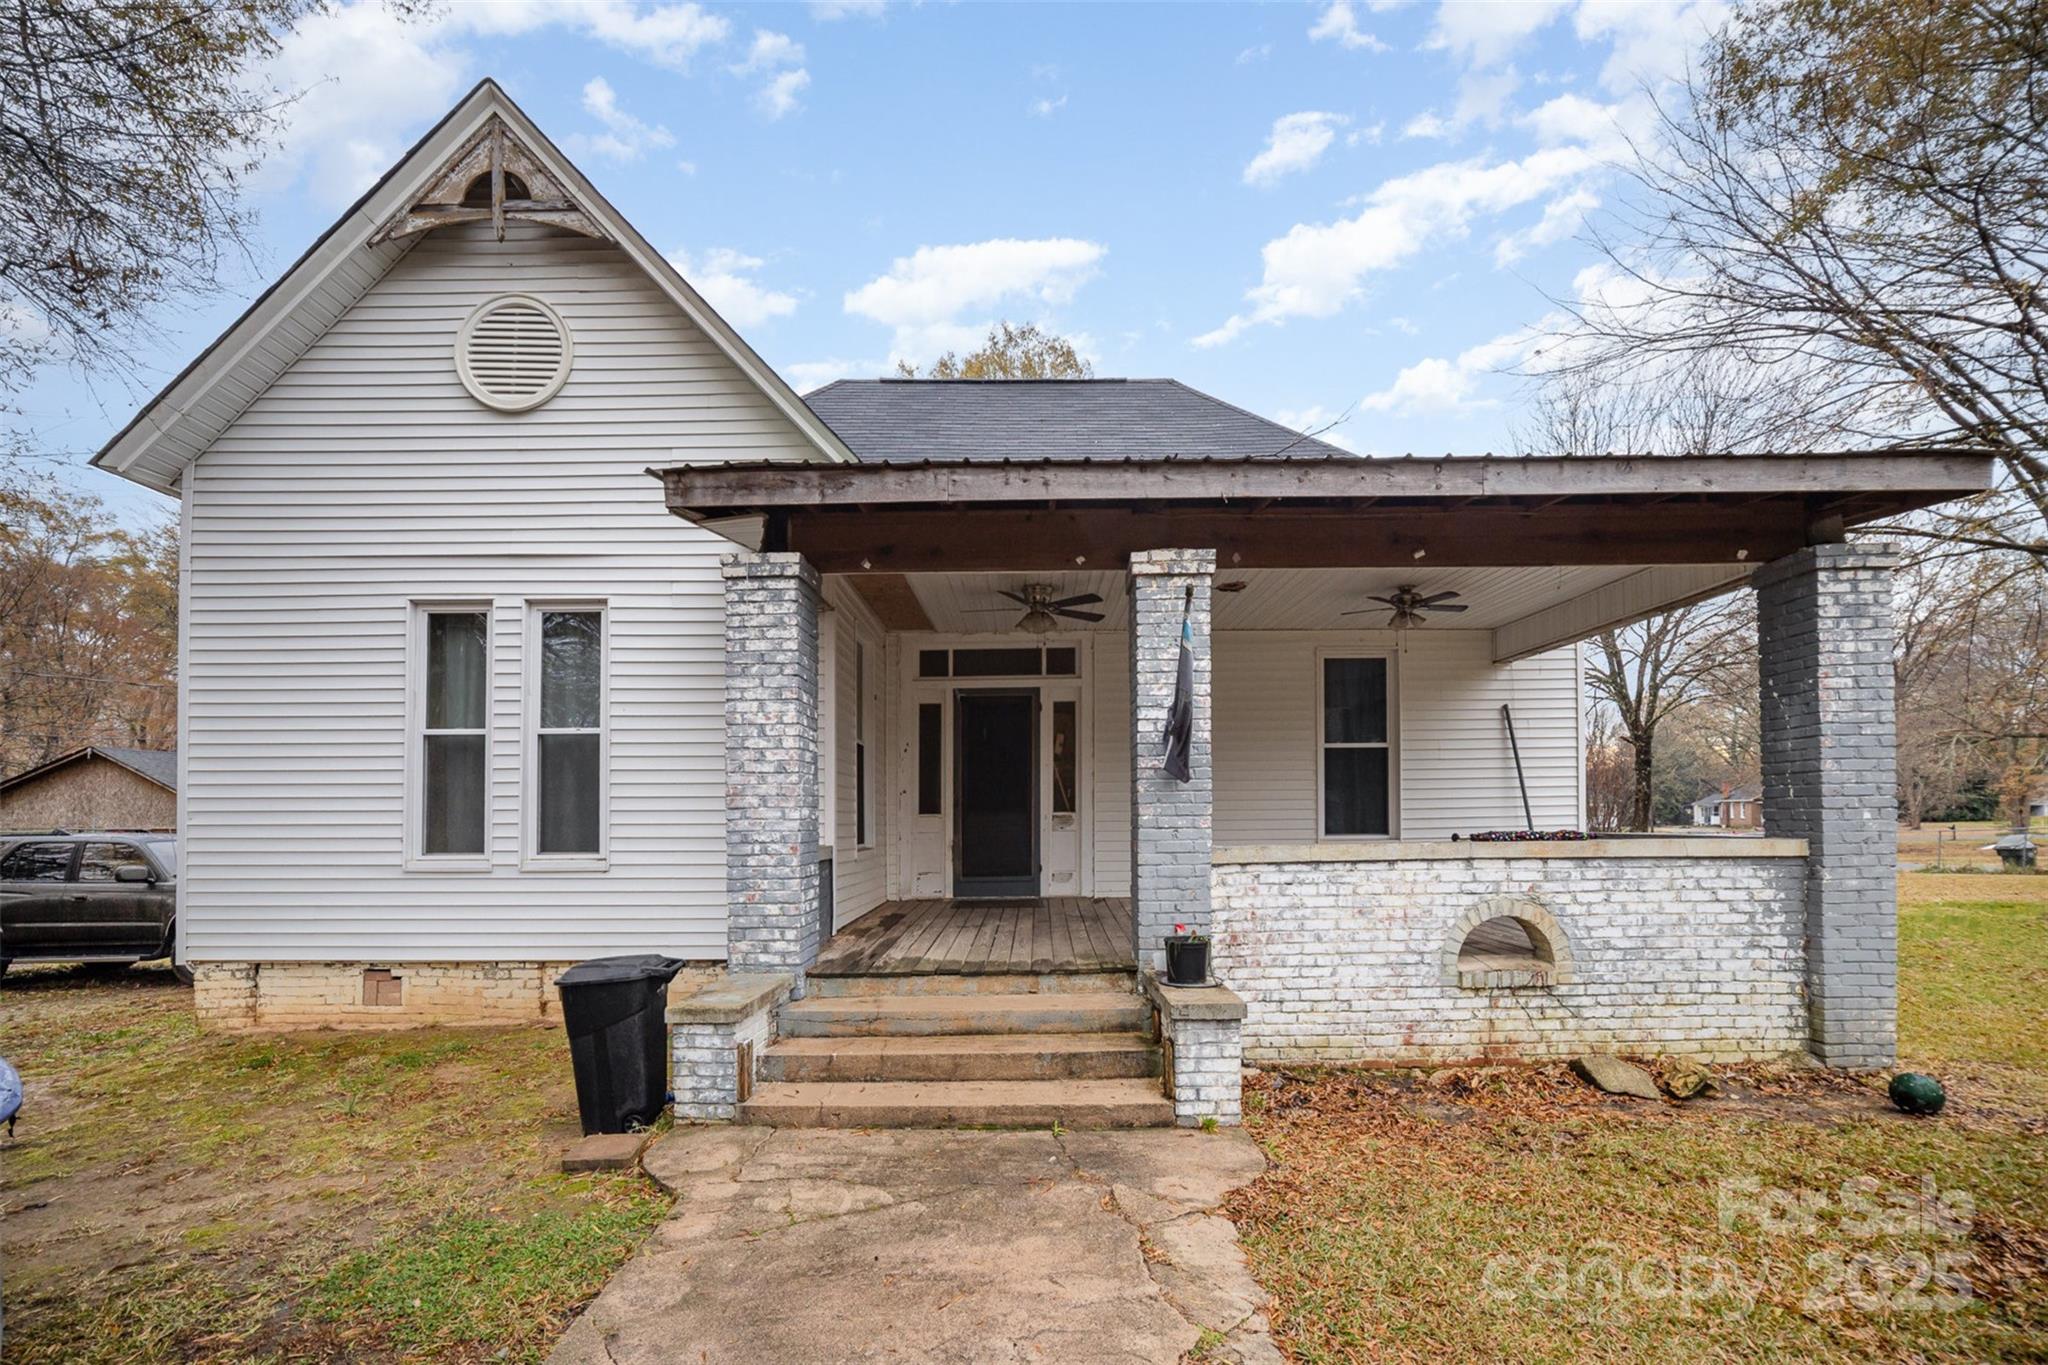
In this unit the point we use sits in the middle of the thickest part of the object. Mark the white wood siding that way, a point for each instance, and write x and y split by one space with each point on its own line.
860 879
1455 772
1111 785
364 479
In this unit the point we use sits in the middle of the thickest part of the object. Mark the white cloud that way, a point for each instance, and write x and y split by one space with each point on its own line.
625 138
1312 420
1339 24
1370 134
1652 39
1574 118
784 57
371 81
828 11
725 278
1427 124
778 97
1296 143
1045 108
1484 35
1317 268
1561 218
939 297
770 50
1439 385
667 35
806 375
1255 54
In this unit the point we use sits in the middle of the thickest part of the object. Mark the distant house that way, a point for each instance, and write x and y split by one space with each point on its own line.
94 788
1730 808
2037 804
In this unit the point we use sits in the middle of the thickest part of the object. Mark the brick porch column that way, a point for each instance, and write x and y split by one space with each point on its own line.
771 763
1824 636
1170 834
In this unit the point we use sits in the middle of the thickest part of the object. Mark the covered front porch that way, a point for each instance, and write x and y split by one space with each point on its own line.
1339 766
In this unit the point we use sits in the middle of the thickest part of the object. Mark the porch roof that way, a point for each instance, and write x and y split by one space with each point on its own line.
965 515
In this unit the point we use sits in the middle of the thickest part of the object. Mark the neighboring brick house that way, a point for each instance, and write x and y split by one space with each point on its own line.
93 788
1730 807
862 705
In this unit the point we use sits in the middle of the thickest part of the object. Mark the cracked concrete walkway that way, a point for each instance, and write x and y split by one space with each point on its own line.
803 1245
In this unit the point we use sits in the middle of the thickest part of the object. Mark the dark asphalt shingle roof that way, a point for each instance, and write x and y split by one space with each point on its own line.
158 765
897 420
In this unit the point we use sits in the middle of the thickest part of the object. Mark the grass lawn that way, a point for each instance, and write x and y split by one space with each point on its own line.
1517 1216
1959 844
173 1195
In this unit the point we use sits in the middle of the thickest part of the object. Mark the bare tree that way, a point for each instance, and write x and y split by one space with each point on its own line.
126 133
1649 671
1852 198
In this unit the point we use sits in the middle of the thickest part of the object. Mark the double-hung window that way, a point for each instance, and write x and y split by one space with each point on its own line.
566 777
452 756
1355 780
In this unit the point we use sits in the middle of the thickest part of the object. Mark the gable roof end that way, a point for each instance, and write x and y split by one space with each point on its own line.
194 409
152 765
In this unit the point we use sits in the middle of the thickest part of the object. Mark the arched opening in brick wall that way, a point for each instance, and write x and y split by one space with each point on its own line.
1505 943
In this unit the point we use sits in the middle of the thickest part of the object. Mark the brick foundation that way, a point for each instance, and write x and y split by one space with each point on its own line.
282 996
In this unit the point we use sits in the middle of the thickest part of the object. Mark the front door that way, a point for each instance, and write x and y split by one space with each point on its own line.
995 807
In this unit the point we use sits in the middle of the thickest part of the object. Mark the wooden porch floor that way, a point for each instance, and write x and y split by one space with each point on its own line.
979 937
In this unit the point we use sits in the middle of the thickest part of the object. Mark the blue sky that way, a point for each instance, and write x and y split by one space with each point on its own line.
1306 209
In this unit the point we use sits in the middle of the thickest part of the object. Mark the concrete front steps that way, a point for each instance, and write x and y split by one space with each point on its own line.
1010 1051
961 1104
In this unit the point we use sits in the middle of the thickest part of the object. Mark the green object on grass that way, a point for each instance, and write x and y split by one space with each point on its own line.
1917 1094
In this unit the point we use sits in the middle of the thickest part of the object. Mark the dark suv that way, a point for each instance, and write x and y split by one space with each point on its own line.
87 897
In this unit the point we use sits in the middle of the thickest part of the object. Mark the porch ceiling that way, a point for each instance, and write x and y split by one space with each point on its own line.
1271 599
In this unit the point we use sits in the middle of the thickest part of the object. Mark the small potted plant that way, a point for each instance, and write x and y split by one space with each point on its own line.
1187 957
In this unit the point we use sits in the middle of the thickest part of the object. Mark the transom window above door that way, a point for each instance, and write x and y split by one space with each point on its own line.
1005 661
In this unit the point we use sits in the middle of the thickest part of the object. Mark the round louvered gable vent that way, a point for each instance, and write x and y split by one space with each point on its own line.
513 353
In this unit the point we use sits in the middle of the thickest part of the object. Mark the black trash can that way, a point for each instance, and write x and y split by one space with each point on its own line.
618 1038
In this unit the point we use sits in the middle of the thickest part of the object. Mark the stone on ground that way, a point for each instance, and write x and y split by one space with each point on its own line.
1684 1078
909 1245
1616 1077
603 1152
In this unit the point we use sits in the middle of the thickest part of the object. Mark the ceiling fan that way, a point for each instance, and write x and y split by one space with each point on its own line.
1042 611
1410 606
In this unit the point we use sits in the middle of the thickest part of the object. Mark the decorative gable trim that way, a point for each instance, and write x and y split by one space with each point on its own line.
519 189
184 420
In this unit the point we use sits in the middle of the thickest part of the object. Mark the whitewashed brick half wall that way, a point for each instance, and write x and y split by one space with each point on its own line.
1343 961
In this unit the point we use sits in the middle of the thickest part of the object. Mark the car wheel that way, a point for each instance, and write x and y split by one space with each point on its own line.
182 972
5 963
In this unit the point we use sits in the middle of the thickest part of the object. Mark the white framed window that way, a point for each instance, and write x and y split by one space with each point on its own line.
449 751
1355 756
568 753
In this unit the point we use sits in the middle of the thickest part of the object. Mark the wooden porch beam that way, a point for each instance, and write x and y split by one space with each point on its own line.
982 540
1911 477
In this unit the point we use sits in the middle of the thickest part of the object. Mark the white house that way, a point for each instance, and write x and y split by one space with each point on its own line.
859 704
